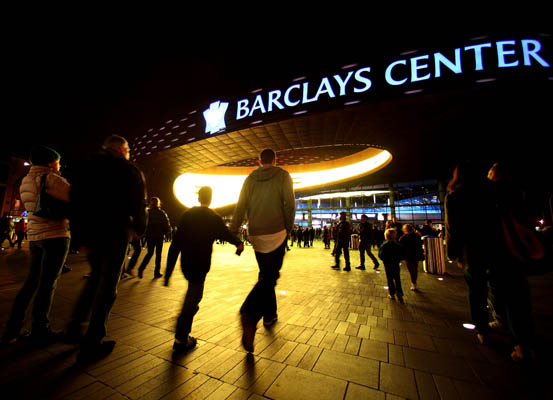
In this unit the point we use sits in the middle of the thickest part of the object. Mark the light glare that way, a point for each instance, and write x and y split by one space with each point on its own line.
226 188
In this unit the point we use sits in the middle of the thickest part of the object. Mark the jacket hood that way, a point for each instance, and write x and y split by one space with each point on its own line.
265 173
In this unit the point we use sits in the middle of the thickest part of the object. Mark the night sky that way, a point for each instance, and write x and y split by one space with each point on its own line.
70 93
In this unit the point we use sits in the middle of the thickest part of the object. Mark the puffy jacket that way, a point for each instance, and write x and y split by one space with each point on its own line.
267 201
40 228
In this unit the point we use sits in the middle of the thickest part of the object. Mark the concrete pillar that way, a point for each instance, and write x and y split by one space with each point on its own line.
348 209
441 197
309 213
392 201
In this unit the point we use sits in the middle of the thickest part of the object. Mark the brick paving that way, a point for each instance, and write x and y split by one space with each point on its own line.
338 337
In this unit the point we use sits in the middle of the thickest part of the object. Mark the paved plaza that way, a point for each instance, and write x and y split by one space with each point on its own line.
338 337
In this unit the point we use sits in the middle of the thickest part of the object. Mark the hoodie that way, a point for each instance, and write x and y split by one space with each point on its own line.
267 201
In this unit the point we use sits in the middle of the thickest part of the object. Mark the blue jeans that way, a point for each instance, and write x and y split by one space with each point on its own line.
261 302
47 258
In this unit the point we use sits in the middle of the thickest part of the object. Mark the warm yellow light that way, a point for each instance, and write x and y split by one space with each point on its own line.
227 184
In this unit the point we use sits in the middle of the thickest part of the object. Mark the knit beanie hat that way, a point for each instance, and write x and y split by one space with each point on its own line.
42 155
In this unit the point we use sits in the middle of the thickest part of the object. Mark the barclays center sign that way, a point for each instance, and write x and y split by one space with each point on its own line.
471 58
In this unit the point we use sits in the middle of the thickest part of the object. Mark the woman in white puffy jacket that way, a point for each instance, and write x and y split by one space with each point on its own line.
48 248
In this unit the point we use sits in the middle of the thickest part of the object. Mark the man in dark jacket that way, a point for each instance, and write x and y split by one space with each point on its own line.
198 228
107 188
267 201
158 227
343 236
366 236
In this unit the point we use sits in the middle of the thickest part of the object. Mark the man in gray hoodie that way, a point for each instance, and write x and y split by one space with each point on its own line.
268 203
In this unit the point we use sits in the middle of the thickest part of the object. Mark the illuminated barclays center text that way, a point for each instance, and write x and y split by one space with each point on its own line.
474 57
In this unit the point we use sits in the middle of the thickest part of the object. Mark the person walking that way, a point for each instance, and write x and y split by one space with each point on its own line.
107 188
48 247
198 228
5 230
391 254
158 227
413 252
20 231
366 238
343 235
326 237
267 201
137 249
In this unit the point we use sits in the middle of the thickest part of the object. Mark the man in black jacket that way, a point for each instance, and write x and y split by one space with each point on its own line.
343 236
198 228
158 228
108 175
366 236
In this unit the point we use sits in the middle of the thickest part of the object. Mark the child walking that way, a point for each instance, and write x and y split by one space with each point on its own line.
391 254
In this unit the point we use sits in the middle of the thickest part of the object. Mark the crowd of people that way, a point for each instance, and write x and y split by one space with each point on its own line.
109 186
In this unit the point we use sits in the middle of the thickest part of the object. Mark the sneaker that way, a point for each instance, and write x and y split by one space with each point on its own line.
391 297
65 269
9 337
179 347
90 353
361 267
400 298
347 269
335 267
130 273
376 266
413 288
140 274
157 276
248 332
270 321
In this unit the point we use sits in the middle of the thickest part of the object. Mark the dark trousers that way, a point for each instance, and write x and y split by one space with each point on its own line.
510 288
413 268
338 252
156 245
394 281
20 236
366 247
4 236
261 301
47 258
137 248
97 298
190 307
477 284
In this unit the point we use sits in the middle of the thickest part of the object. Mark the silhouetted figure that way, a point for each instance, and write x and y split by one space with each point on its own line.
48 247
391 254
107 188
366 238
158 227
267 201
198 228
5 230
343 236
413 252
